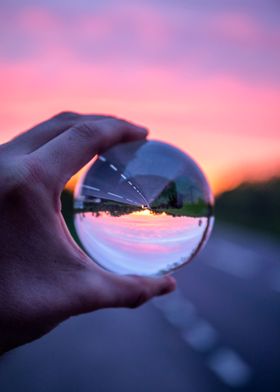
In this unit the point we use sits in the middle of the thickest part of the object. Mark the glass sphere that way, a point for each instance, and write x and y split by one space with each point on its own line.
143 208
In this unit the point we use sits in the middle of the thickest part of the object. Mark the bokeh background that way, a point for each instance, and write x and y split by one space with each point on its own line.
205 76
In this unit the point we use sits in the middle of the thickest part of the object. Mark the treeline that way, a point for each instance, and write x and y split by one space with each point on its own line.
253 205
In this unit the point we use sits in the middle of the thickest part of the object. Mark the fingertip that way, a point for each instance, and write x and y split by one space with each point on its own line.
169 285
132 126
143 131
139 128
171 280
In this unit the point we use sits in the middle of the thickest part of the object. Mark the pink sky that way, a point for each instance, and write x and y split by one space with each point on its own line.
154 242
205 79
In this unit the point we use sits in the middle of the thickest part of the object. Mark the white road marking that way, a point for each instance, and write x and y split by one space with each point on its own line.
131 201
91 187
103 159
178 319
113 167
235 260
123 176
114 194
177 310
202 336
238 268
230 367
129 182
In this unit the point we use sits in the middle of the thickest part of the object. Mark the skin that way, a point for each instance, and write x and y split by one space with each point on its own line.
45 278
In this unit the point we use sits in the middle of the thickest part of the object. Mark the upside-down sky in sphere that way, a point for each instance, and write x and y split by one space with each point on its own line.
203 75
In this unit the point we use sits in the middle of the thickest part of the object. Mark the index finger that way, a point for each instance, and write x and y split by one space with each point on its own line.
67 153
42 133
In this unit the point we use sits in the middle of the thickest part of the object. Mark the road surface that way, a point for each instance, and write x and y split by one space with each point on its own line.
220 331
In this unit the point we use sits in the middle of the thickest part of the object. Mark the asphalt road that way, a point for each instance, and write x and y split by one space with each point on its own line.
220 331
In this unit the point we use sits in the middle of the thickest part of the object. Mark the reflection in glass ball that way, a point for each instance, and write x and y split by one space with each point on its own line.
143 208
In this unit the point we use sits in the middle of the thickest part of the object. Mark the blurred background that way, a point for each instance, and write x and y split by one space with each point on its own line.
204 76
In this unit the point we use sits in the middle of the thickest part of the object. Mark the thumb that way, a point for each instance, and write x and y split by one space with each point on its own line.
106 290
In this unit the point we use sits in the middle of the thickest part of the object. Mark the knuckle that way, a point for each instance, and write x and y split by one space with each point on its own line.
7 154
88 131
66 116
33 170
18 177
22 177
28 177
3 148
9 177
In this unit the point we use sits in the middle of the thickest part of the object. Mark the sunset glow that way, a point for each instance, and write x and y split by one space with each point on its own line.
204 78
142 242
143 213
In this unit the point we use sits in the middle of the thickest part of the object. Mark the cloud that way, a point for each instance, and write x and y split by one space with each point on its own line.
204 77
235 43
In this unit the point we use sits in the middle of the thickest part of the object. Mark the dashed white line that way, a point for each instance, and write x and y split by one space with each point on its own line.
113 167
103 159
230 367
179 320
202 336
91 187
129 182
236 260
123 176
131 201
239 268
177 310
114 194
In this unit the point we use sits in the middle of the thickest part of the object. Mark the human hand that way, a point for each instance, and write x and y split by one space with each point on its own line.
44 276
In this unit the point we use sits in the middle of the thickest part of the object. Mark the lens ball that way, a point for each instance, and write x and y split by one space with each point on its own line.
143 208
